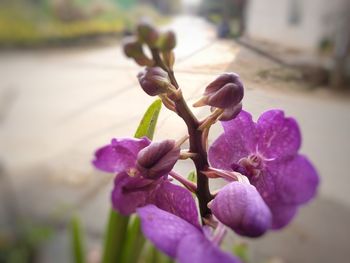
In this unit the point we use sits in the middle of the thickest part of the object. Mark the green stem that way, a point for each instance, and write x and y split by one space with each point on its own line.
77 241
116 233
134 242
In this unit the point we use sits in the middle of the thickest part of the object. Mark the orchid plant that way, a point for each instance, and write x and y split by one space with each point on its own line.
266 178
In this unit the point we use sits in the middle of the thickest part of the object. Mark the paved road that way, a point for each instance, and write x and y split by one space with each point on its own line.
58 105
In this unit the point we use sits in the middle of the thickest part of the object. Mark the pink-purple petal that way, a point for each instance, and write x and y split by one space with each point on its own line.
120 155
196 248
240 206
238 141
130 193
282 215
296 180
164 229
241 133
221 154
178 201
279 136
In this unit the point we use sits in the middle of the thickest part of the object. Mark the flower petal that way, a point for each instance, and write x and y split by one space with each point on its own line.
240 206
241 132
238 141
130 193
282 215
196 248
296 180
221 155
120 155
164 229
178 201
278 136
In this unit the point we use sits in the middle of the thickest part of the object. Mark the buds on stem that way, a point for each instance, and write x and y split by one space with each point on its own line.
225 92
133 49
167 41
154 81
148 34
157 159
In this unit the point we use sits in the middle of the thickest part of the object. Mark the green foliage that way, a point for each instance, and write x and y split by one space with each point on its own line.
77 240
241 250
116 233
21 244
151 255
192 176
25 24
149 121
134 242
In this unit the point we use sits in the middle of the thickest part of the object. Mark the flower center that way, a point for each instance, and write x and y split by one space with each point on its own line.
252 165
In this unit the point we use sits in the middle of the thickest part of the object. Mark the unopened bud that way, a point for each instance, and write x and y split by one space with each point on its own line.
148 34
225 92
231 112
132 48
154 81
167 41
228 95
240 206
157 159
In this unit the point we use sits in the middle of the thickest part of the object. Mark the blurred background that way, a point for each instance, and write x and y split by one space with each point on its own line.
66 89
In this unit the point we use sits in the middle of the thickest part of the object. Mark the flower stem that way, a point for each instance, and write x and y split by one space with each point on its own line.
196 144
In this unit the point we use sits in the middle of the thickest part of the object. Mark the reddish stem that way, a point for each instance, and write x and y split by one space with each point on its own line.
196 144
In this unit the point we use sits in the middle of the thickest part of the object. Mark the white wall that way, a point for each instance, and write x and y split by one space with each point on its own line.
269 20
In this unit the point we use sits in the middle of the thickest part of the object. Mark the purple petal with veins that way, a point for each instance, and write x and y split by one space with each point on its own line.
240 206
120 155
278 136
164 229
196 248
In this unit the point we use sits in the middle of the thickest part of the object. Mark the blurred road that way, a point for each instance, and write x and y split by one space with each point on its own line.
58 105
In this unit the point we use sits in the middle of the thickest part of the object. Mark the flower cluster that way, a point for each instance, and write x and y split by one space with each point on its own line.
267 179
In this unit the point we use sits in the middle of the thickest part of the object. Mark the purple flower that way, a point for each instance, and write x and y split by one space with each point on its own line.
134 188
267 153
240 206
179 239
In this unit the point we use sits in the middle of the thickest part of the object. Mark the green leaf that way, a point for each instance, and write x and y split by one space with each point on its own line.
153 255
123 242
77 241
115 236
192 177
149 121
134 242
241 251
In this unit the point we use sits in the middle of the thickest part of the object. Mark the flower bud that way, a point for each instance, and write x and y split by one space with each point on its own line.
231 113
154 81
225 92
147 34
240 206
132 48
167 41
157 159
